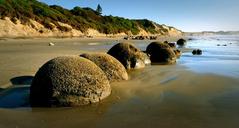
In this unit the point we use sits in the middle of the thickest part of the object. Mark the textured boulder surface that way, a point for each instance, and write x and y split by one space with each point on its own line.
113 69
161 53
130 56
144 57
68 81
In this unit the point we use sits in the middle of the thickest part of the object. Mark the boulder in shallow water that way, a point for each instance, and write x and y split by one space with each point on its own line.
68 81
197 52
161 53
130 56
181 42
113 69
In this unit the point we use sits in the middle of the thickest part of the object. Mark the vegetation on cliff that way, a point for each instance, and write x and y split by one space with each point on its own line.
79 18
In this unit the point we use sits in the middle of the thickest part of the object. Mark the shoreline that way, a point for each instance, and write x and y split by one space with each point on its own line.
25 56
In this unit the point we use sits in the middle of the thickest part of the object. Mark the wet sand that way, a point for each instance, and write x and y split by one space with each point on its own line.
168 96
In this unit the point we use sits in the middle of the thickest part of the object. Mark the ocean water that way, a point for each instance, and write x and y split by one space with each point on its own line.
220 55
196 92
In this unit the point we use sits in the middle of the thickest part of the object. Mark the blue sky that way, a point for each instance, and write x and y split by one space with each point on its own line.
187 15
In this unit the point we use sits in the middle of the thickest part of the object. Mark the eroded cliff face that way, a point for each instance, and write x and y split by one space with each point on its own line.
35 29
167 30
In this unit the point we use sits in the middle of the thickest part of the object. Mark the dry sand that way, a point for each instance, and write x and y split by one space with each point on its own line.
169 96
20 57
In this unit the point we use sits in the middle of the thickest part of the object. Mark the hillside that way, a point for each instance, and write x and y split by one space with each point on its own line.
34 18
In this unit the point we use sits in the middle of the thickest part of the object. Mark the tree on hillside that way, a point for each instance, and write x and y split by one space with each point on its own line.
99 9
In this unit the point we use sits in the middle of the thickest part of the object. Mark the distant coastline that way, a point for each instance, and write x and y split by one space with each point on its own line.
211 33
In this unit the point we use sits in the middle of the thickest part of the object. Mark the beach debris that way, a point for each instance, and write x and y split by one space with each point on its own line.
140 37
89 36
113 69
224 45
181 42
161 53
130 56
93 44
126 38
197 52
153 37
68 81
51 44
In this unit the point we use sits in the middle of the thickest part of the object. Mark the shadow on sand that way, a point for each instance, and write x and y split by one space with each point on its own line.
16 96
21 80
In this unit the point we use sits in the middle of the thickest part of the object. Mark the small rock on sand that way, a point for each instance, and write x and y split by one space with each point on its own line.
51 44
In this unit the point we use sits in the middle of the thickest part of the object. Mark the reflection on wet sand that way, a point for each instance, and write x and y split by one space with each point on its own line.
148 99
186 101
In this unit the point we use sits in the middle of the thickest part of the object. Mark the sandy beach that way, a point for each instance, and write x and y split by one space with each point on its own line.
186 94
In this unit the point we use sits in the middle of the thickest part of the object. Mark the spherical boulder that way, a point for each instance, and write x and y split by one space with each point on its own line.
181 42
161 53
68 81
113 69
130 56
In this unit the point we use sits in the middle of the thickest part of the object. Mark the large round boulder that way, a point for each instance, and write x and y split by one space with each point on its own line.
161 53
130 56
181 42
113 69
68 81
